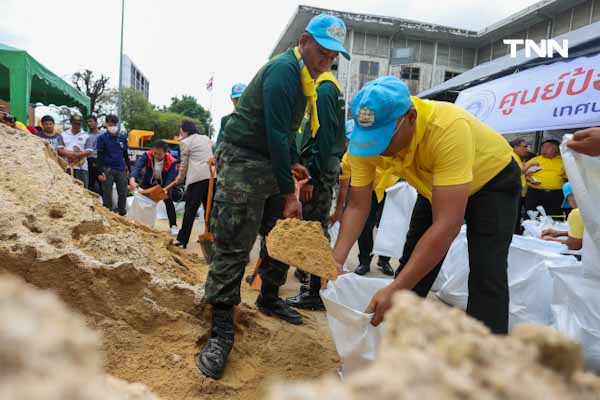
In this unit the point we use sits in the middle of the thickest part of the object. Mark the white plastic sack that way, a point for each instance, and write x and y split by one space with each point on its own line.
576 310
143 210
161 209
535 227
399 203
334 231
454 272
529 280
345 299
584 174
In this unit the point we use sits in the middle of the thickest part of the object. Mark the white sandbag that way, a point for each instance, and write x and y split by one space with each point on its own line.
584 174
529 280
161 209
576 310
345 299
454 272
535 227
143 210
334 231
399 203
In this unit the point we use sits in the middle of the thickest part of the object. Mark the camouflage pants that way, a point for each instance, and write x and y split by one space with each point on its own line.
246 203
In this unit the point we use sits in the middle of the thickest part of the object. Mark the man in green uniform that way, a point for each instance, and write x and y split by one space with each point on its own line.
321 155
236 93
255 186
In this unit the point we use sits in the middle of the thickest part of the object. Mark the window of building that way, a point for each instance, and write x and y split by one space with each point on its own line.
450 74
581 15
410 73
368 70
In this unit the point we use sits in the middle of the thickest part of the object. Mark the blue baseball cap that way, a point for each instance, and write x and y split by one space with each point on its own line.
349 127
376 109
329 32
567 191
237 90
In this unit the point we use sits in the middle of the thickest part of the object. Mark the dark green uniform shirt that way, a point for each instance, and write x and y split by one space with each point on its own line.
323 152
221 129
268 116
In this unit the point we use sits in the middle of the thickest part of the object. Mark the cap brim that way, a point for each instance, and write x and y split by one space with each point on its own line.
371 142
332 45
236 96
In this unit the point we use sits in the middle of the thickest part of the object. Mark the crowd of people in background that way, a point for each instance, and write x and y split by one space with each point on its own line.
99 158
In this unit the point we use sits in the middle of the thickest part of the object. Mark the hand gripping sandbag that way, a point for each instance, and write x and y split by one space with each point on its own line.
584 174
143 210
399 203
356 340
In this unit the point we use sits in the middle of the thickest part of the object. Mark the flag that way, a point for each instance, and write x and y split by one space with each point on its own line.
209 84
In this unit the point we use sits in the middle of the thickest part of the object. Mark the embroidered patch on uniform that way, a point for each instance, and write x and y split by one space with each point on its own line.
337 32
366 117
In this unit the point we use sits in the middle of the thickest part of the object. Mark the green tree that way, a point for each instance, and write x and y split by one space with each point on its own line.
95 87
139 113
189 106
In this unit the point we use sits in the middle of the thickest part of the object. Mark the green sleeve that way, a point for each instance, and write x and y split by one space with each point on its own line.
320 152
281 91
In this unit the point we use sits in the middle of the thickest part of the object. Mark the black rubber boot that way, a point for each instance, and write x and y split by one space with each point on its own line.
308 299
211 360
301 276
385 266
362 269
269 303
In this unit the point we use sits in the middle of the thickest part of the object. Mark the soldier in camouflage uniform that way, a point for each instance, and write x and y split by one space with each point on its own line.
321 155
255 186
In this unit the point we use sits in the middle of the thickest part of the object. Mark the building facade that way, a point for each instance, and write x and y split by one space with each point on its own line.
425 55
134 78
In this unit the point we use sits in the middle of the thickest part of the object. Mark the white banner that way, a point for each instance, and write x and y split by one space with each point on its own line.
562 95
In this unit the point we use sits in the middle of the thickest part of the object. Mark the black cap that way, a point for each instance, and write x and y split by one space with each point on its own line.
75 119
47 118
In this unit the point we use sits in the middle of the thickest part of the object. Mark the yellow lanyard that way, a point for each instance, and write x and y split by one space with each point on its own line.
310 91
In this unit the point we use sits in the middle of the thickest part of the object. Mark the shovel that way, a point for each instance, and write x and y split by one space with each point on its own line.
206 239
157 192
254 280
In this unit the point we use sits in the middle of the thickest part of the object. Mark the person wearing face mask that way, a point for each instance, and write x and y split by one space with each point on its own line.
113 164
255 185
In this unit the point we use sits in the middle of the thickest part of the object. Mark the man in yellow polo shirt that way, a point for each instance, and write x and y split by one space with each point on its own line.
546 182
573 238
462 170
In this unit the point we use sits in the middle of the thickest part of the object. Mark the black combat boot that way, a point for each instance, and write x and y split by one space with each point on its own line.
384 264
211 360
308 299
269 303
363 268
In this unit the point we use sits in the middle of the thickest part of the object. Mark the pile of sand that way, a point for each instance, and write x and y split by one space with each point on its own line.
47 352
141 293
302 244
431 351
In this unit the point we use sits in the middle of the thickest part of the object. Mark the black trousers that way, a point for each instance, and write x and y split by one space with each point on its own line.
365 240
551 200
195 194
119 178
168 204
93 183
520 216
490 217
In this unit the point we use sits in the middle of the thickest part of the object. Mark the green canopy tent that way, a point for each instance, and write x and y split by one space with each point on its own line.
23 80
